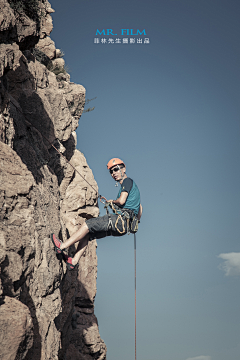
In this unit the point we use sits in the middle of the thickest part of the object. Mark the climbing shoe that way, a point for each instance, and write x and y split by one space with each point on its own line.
57 243
69 263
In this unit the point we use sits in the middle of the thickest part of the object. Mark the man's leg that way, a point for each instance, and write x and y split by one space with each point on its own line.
80 249
94 226
77 236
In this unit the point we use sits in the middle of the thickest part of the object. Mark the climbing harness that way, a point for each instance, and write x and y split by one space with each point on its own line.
123 214
15 103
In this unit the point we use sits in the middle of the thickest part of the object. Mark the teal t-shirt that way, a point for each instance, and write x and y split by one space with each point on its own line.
133 199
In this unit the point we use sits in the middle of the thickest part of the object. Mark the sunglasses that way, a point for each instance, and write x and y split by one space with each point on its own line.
115 169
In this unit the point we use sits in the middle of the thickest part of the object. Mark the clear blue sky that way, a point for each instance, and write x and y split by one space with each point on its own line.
169 109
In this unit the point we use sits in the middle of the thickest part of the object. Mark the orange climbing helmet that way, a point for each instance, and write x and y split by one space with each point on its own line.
113 162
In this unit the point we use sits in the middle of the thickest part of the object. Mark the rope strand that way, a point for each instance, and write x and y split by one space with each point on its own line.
135 268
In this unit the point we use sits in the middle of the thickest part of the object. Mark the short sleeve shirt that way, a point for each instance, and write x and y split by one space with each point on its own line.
133 199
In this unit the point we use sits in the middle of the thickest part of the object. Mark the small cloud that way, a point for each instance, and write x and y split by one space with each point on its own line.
231 265
202 357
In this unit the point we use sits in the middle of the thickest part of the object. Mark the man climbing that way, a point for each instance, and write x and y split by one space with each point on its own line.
127 212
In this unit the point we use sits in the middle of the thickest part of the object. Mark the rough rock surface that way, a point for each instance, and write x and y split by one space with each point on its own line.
16 335
46 312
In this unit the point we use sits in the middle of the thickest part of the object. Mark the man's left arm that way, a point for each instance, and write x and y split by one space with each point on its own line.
126 188
121 200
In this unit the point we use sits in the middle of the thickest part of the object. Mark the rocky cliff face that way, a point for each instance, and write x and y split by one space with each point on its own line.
46 311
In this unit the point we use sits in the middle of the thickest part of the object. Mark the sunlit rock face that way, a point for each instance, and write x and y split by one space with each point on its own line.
46 311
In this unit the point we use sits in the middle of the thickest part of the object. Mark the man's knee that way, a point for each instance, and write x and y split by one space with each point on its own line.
85 226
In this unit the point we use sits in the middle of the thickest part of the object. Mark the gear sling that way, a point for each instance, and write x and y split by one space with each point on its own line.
123 214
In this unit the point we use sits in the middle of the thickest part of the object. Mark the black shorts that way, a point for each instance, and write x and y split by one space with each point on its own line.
106 226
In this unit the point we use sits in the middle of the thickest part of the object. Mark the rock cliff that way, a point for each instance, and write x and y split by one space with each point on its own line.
46 311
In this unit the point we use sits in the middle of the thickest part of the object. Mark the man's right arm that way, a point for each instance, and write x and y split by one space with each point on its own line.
140 212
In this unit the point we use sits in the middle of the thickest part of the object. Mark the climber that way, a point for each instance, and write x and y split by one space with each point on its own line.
127 211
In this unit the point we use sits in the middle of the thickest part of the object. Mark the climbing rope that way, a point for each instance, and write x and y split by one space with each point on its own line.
113 207
135 270
14 102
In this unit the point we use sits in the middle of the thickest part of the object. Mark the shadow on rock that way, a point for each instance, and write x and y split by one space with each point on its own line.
77 323
9 291
34 128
